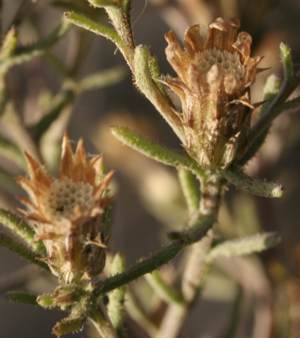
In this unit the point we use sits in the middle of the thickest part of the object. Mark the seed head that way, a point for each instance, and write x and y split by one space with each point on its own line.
214 72
66 212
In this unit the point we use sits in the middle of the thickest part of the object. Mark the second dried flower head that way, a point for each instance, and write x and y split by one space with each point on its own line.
215 71
66 212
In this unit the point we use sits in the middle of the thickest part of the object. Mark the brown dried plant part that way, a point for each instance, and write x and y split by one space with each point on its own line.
215 71
66 212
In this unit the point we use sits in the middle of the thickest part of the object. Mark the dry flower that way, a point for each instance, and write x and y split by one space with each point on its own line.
215 71
66 212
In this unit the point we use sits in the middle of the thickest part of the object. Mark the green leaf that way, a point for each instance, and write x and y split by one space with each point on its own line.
156 151
20 249
9 44
273 108
21 297
19 227
143 78
102 79
27 53
104 3
68 325
244 246
165 291
287 62
115 308
93 26
251 185
190 189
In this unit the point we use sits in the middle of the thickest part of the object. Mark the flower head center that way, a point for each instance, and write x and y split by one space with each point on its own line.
228 63
65 196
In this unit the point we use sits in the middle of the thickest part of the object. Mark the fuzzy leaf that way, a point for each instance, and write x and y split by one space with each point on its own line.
251 185
19 227
272 109
104 3
244 246
68 325
27 53
9 44
20 249
93 26
102 79
21 297
156 151
115 308
143 77
190 189
165 291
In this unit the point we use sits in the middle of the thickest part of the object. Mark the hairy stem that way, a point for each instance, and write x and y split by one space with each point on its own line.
196 232
196 265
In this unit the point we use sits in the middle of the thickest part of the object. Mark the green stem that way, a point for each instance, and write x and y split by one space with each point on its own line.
162 256
196 265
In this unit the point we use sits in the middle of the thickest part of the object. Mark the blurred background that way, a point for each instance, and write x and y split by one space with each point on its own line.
148 200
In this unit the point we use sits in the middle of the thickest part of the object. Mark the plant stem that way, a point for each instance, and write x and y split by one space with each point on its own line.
196 266
196 232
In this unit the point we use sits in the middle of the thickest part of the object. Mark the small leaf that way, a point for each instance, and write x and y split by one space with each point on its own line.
9 44
27 53
251 185
68 325
46 301
244 246
21 297
102 79
190 189
156 151
165 291
143 77
115 308
92 26
19 227
287 62
20 249
104 3
272 108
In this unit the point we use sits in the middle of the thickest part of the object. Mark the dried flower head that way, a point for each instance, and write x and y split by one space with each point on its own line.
66 212
215 71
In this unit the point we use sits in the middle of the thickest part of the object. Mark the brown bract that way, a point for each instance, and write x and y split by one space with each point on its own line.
66 212
215 71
